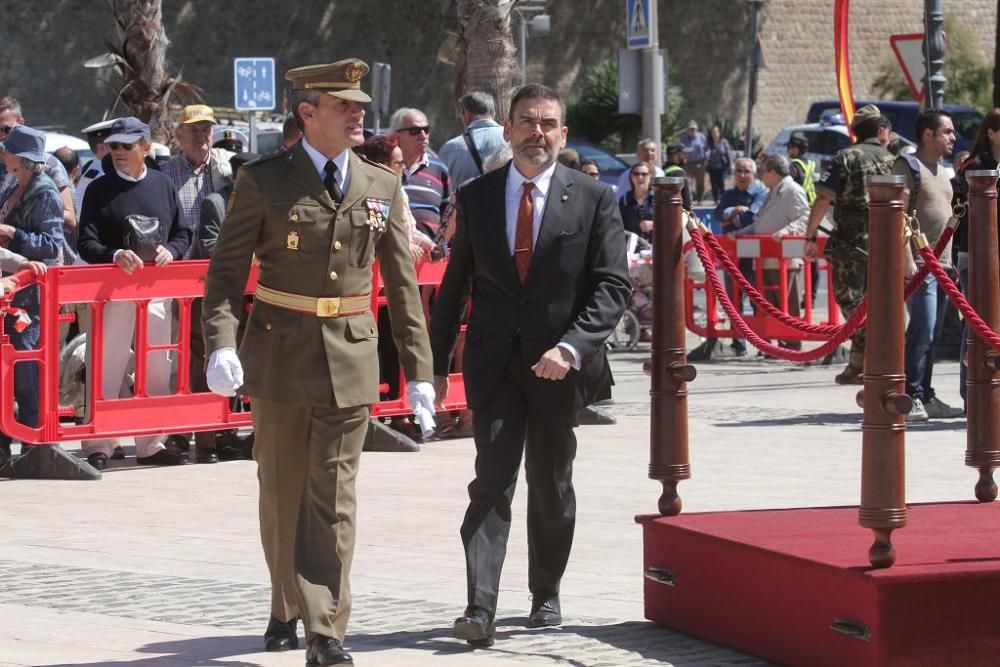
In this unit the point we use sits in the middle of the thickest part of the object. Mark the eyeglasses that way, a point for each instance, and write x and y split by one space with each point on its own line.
744 171
414 131
120 146
594 173
7 128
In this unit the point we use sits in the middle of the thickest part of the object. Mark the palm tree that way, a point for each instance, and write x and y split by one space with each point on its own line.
485 50
140 56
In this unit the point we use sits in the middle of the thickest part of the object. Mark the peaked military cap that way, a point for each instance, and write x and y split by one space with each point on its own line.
340 79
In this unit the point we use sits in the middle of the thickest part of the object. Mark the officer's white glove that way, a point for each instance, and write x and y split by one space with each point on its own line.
224 374
421 395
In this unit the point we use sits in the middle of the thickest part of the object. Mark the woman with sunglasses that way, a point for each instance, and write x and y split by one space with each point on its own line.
636 206
132 186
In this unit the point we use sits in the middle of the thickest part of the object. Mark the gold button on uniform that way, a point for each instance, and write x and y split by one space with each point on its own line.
294 217
333 275
268 326
337 245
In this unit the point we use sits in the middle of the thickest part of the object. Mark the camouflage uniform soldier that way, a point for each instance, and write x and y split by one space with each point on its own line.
843 184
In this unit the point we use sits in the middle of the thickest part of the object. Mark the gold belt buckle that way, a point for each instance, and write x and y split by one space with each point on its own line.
328 306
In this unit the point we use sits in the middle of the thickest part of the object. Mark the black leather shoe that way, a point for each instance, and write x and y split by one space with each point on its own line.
280 635
230 452
323 651
99 461
545 612
118 454
164 457
205 456
476 627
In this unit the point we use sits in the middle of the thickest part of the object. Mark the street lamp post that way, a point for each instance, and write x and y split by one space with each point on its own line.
535 25
753 64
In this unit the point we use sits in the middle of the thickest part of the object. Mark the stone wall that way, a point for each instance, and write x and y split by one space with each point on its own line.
44 44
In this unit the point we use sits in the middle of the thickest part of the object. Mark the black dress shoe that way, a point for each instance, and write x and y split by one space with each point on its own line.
164 457
545 612
476 627
230 452
323 651
99 461
205 456
280 635
118 454
178 441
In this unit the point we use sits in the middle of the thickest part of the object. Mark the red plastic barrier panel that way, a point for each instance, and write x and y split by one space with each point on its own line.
757 249
180 410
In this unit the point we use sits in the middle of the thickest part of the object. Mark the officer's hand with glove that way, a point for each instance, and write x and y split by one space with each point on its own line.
421 395
224 373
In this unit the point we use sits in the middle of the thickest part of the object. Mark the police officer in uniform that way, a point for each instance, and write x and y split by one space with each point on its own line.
844 185
315 218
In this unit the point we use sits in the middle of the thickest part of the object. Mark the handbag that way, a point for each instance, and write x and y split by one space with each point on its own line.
142 236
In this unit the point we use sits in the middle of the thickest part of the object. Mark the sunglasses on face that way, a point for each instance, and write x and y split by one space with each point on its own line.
119 146
592 173
414 131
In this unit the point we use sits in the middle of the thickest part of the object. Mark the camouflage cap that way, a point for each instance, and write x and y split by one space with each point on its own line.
865 113
340 79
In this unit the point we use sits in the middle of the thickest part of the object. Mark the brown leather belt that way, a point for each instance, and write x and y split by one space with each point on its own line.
329 306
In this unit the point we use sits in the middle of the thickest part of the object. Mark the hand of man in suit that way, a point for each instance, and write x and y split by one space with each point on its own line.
554 364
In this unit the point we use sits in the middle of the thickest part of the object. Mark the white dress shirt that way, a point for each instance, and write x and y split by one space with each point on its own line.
319 161
539 194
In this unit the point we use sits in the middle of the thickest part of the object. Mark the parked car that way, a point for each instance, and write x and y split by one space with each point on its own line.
610 166
904 118
825 139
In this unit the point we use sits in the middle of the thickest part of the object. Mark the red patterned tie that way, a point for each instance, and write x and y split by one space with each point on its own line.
522 237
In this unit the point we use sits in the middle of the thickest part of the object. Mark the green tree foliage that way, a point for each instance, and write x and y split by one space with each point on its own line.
969 76
594 114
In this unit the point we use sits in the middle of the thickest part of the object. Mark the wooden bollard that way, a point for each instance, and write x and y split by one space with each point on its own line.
982 448
669 370
883 493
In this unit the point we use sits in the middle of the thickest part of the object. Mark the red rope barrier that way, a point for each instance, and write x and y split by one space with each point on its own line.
855 322
756 297
795 323
955 294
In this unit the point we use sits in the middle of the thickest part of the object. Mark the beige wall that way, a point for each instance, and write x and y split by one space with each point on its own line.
43 46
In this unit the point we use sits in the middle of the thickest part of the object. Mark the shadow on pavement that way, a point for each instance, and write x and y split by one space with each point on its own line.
815 419
195 652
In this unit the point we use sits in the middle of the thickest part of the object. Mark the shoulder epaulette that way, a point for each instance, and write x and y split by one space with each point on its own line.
376 164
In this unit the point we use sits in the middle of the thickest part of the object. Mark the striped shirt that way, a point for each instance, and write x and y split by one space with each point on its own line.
428 188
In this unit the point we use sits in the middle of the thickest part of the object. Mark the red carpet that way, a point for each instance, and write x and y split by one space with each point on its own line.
772 583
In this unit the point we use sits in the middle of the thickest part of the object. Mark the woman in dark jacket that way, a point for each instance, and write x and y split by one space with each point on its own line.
129 187
720 161
637 205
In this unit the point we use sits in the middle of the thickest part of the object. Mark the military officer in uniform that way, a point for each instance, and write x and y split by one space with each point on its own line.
315 217
844 185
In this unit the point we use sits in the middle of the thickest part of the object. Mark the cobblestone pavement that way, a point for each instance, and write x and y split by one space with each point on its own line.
380 622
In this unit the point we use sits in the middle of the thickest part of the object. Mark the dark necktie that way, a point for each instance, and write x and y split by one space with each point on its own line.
522 235
330 181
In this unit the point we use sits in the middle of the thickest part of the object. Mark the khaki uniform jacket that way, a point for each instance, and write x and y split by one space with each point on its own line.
293 356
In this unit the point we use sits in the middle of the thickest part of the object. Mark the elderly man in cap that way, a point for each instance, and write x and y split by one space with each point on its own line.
316 218
200 169
130 188
31 225
843 184
92 170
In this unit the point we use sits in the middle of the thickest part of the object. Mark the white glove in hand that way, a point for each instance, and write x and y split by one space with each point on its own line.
224 374
421 395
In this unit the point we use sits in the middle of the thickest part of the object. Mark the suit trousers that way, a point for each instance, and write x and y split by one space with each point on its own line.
307 458
520 418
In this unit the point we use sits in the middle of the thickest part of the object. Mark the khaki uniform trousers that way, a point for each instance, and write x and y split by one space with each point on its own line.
307 458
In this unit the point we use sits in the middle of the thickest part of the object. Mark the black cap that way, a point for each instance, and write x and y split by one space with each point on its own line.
673 149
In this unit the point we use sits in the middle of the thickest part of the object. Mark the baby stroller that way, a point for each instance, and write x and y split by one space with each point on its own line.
638 317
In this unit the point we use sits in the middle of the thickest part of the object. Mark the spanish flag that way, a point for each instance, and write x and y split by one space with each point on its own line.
841 9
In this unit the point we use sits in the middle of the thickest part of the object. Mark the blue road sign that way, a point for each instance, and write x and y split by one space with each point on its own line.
253 84
640 25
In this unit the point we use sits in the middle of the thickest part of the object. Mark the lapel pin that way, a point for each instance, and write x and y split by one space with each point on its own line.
564 198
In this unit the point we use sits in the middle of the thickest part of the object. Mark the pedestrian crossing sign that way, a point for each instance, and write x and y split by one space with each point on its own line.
640 25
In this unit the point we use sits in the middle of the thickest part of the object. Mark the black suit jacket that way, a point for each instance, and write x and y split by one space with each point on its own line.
576 290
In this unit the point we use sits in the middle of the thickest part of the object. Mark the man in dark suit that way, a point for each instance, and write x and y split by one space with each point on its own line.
541 249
